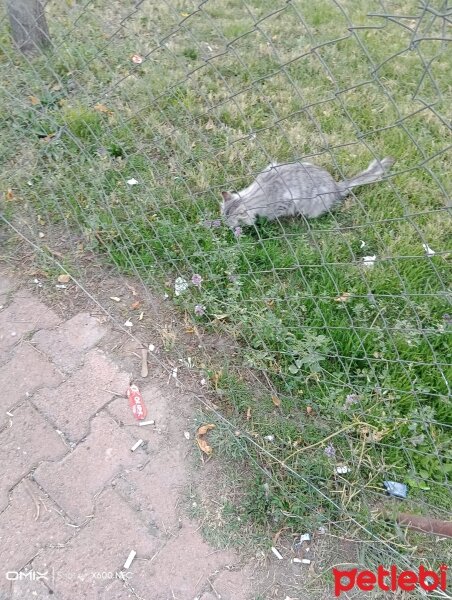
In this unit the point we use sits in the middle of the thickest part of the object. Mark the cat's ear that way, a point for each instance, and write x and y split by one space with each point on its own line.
226 196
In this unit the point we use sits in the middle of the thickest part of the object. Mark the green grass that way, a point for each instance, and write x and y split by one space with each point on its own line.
186 127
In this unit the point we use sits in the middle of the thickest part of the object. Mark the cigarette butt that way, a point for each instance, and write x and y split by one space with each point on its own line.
296 560
144 362
306 561
276 553
142 423
130 559
137 445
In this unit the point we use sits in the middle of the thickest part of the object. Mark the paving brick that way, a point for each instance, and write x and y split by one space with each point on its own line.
67 344
182 567
75 480
72 405
23 445
102 546
24 315
169 470
23 532
27 371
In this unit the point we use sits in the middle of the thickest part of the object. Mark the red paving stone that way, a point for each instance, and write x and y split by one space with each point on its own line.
24 443
92 558
67 344
91 466
142 488
24 315
67 449
71 406
25 532
27 371
183 567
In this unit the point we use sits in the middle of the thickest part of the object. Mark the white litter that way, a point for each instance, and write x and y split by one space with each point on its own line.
143 423
186 435
128 323
203 382
276 553
174 373
132 181
151 347
363 243
368 261
180 285
115 298
305 537
130 559
269 438
342 469
322 530
61 286
296 560
41 235
306 561
137 445
428 250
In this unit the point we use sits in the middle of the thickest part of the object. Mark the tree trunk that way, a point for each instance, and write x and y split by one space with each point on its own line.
28 25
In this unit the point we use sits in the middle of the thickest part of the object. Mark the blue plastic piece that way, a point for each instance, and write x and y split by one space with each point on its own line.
398 490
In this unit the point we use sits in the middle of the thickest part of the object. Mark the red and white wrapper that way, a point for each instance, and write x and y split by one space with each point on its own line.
136 402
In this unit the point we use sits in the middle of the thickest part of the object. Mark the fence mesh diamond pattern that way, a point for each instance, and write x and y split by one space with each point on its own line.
117 141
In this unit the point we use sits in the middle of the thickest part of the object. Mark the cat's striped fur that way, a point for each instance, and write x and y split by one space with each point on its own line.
286 190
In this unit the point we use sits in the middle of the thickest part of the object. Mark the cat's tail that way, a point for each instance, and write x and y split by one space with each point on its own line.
374 172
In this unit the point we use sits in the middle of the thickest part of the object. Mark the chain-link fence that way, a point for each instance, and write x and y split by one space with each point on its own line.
334 362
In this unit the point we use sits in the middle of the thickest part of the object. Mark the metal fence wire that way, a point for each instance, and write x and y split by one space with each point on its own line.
117 141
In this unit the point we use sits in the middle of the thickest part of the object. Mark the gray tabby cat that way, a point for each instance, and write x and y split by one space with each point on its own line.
288 190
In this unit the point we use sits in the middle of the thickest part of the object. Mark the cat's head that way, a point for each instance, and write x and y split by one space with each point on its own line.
234 211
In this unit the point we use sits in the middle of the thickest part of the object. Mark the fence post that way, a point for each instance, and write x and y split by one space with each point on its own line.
28 25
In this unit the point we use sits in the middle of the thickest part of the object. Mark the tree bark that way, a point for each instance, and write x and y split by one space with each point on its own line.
28 25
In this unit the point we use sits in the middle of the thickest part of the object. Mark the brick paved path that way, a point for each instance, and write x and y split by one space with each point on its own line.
74 499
